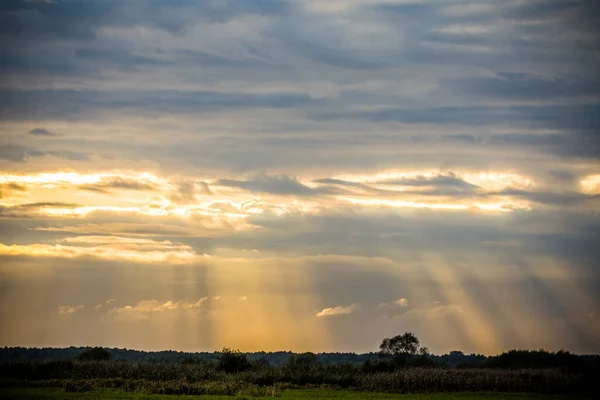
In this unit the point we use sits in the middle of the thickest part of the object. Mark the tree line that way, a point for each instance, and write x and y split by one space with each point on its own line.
404 350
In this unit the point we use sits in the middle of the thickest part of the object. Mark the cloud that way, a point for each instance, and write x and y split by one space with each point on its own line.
449 180
187 191
69 310
130 229
63 154
28 210
562 198
109 248
338 310
117 183
47 204
54 104
14 153
11 189
41 132
145 308
590 184
443 150
341 182
402 303
278 184
394 308
41 20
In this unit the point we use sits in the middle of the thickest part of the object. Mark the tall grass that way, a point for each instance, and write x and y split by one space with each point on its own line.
473 380
201 378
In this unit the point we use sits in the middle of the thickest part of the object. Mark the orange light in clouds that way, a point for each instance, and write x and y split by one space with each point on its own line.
489 180
590 184
405 204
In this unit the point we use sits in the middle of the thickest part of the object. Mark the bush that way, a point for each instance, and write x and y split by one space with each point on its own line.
232 361
95 354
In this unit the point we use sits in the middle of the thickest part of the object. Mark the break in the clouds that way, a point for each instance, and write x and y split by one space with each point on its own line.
322 174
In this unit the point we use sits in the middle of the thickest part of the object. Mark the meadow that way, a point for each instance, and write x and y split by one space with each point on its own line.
94 374
55 393
265 381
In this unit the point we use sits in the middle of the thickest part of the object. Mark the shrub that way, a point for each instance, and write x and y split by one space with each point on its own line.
231 361
95 354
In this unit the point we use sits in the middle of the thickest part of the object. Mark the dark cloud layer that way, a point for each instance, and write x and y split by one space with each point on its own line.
276 185
41 132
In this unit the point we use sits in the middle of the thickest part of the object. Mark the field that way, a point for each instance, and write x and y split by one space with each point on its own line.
55 393
234 377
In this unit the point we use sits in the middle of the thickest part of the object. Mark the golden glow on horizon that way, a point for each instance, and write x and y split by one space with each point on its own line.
272 319
114 216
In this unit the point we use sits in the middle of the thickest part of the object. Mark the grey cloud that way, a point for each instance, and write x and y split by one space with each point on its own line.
41 132
14 153
117 183
441 185
82 19
124 228
66 103
521 86
331 181
119 58
196 57
65 154
563 176
322 53
21 153
540 10
48 204
277 184
449 180
187 191
581 118
561 199
574 144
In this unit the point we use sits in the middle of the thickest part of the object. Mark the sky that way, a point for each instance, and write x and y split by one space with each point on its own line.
299 174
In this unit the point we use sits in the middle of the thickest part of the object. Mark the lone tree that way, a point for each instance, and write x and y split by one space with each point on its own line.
232 361
400 347
94 354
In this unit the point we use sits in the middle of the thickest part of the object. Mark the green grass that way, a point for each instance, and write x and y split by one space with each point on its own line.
56 393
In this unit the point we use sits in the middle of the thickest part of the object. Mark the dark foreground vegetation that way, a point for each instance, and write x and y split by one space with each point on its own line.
295 394
401 366
232 373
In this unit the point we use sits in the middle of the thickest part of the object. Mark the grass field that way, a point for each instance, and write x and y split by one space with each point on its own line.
55 393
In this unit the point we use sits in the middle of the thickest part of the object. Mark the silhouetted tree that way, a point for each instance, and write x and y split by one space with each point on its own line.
400 347
95 354
232 361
